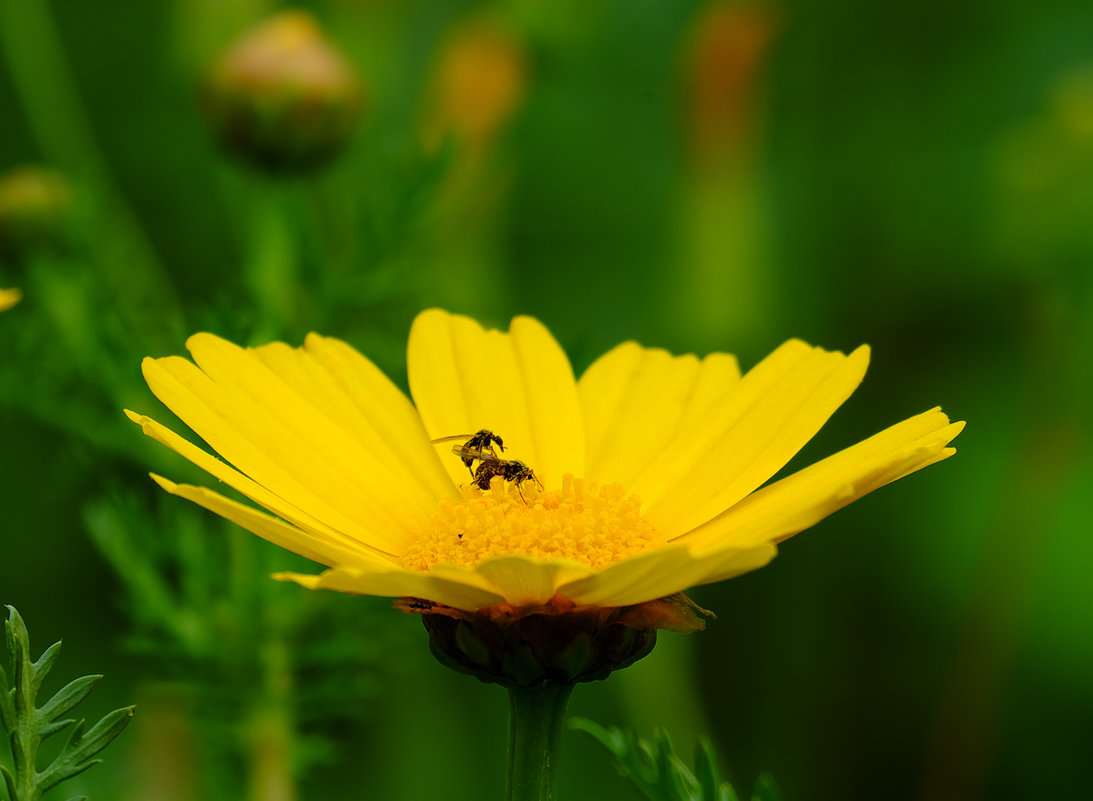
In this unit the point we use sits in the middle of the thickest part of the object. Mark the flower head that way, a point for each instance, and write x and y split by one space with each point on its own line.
652 466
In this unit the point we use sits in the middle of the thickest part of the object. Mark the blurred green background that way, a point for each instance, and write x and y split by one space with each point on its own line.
694 175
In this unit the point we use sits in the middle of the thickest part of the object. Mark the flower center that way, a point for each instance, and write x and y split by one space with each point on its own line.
584 521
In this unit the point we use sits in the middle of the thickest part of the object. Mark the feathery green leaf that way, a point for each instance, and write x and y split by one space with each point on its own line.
28 725
660 775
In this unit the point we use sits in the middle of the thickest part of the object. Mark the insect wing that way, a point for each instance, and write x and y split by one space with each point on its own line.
452 438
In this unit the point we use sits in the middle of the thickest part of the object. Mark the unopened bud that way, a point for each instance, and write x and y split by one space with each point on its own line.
282 97
8 298
34 205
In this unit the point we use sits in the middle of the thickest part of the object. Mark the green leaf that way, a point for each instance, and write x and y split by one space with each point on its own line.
28 725
766 789
612 739
68 697
47 730
44 664
9 782
660 775
709 779
7 705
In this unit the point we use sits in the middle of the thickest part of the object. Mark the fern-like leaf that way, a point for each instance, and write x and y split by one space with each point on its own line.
660 775
28 725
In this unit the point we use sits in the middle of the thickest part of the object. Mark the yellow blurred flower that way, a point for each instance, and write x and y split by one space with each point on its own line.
651 464
8 298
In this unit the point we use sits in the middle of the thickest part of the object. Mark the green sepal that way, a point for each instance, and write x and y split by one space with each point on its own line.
476 651
574 658
526 651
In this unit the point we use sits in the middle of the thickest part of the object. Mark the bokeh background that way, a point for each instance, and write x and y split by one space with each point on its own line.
693 174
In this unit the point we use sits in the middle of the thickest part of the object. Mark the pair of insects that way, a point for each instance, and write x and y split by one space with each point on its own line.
478 447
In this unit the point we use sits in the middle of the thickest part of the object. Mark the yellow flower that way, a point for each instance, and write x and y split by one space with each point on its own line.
8 298
652 466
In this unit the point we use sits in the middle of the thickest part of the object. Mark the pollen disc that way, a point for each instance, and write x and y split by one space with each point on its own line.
596 524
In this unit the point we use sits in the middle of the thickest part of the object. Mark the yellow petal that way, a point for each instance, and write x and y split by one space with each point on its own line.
294 408
662 572
267 430
522 580
241 483
197 401
640 403
517 384
772 412
348 389
320 549
806 497
458 590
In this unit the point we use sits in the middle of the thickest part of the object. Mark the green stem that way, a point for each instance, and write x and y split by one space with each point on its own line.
24 753
271 730
271 270
535 730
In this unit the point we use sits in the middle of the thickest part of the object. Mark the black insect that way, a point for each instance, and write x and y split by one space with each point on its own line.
475 446
508 470
478 447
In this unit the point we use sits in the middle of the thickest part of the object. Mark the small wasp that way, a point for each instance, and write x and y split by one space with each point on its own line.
475 446
479 446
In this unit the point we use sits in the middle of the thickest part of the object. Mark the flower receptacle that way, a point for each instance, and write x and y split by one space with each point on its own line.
555 642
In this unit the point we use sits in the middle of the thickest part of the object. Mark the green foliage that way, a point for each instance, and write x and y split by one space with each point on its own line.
29 725
252 659
661 775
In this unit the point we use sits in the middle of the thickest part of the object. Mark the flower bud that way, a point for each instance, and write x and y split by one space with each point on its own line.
556 642
480 79
282 97
8 298
34 205
726 51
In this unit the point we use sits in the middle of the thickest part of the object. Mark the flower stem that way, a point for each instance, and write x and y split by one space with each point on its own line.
272 265
535 730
